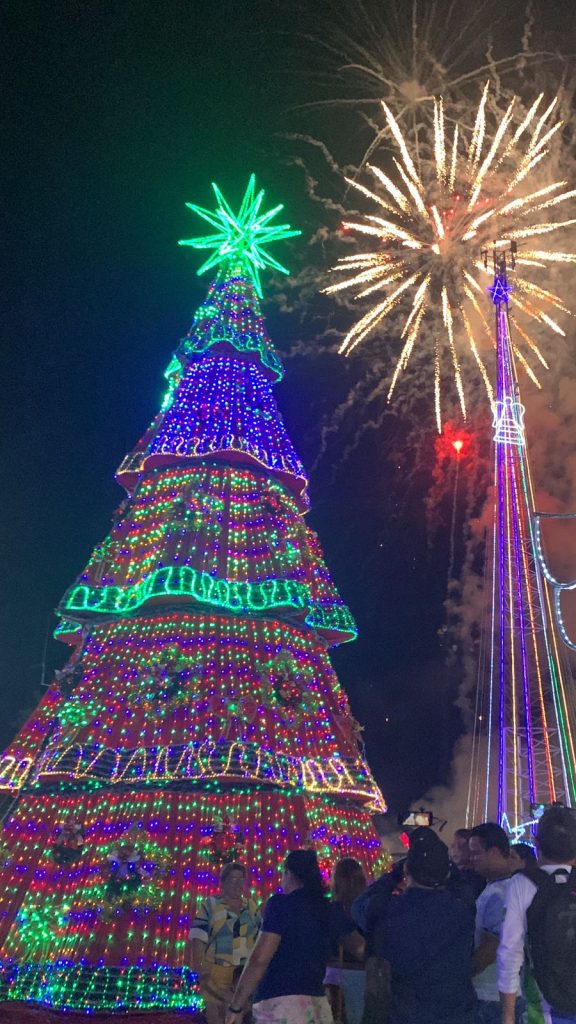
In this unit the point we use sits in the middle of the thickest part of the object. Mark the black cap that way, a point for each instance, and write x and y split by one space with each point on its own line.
428 862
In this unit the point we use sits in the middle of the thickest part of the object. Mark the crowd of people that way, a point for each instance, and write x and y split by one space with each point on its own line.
481 933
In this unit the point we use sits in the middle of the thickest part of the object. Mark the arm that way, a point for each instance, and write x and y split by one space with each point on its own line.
266 945
508 1003
198 952
382 887
485 953
199 937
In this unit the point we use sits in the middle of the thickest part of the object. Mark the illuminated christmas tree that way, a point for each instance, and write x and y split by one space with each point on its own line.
199 718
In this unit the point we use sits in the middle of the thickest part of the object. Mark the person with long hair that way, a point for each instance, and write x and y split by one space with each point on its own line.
345 976
285 972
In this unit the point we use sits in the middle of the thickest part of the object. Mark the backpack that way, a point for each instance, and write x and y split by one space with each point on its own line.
551 919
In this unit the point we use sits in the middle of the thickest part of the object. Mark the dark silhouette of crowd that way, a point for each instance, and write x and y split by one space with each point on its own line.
481 933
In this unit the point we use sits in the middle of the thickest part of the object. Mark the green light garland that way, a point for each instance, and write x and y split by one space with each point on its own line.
238 597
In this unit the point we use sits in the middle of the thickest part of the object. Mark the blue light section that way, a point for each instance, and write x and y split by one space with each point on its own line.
223 406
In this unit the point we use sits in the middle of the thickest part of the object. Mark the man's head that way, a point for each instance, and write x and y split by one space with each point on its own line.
459 850
489 851
232 878
427 864
556 836
522 855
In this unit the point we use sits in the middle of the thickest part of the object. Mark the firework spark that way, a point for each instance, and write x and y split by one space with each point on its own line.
431 233
406 52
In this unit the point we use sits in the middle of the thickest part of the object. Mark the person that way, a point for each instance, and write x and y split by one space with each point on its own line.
426 934
366 909
223 934
459 851
556 845
490 858
345 973
287 966
522 856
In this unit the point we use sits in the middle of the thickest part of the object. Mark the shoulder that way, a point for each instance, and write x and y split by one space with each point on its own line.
452 910
520 892
520 884
495 892
279 899
214 903
278 910
452 900
278 904
207 905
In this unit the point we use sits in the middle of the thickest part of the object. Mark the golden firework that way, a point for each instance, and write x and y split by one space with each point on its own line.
432 234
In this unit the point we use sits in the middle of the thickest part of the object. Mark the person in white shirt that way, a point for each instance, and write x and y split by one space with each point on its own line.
556 844
490 857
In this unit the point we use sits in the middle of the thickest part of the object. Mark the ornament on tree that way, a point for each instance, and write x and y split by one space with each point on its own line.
69 841
133 868
314 545
126 871
68 677
240 713
349 728
227 841
188 513
119 512
248 709
75 714
272 504
287 680
217 708
165 687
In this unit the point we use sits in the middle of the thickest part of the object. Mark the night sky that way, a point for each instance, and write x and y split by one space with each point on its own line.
114 115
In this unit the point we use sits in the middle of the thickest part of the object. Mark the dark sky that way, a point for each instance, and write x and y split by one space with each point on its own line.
115 114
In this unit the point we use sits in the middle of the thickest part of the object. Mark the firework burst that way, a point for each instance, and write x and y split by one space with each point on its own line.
406 52
433 234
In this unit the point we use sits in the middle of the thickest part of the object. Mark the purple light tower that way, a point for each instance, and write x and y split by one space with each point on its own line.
523 747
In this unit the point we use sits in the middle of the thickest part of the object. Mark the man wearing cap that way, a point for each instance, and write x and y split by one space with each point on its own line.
426 935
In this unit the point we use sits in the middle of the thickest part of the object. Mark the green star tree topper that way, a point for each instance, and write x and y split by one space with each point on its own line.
241 238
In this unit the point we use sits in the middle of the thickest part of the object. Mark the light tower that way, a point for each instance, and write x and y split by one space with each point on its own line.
523 745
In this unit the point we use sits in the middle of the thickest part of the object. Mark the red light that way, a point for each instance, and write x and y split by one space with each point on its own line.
458 445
